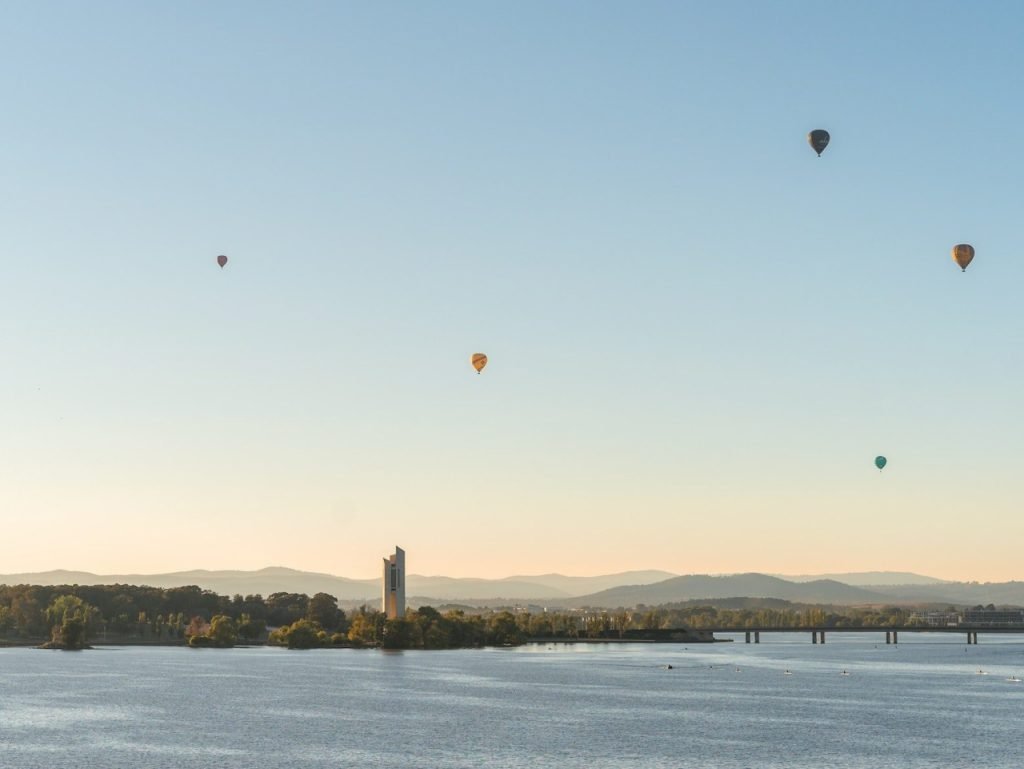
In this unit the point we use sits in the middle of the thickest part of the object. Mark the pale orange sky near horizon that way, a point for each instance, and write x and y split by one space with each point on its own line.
495 546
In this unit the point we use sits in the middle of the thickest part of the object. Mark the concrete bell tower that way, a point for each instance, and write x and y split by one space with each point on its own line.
393 604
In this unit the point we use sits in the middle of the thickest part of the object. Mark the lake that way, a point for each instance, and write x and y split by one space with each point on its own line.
731 705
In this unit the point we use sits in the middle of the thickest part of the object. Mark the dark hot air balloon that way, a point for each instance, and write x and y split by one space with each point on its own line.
818 139
880 463
222 260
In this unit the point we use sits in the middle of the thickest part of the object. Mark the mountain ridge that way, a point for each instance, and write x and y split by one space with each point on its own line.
272 579
630 588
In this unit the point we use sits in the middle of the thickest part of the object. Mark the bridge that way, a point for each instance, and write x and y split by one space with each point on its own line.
819 634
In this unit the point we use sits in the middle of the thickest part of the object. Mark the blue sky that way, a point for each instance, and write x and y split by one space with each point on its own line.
700 334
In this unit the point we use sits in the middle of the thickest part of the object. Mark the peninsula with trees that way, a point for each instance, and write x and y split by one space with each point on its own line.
73 616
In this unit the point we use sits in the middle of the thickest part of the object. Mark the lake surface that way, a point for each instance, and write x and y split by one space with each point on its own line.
919 704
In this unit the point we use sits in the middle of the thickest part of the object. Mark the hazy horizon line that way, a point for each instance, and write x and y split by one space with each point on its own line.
672 574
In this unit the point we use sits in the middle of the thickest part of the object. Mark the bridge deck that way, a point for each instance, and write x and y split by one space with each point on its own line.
871 629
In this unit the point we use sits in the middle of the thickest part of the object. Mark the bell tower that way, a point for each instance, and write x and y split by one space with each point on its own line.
393 604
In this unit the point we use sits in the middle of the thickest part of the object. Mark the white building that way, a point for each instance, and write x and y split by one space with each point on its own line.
394 585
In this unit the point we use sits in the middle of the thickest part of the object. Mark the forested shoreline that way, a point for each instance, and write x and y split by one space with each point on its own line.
73 616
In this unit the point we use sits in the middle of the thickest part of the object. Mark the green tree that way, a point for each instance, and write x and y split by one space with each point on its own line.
70 634
366 627
398 633
620 621
465 631
286 608
323 609
29 617
301 634
539 626
502 630
70 616
433 631
250 629
223 632
6 620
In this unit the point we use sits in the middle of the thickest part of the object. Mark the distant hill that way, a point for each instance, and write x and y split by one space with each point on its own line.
867 578
263 581
959 593
822 591
469 589
559 591
696 587
539 587
279 579
584 585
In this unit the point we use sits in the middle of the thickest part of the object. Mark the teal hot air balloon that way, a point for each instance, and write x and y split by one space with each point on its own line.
880 462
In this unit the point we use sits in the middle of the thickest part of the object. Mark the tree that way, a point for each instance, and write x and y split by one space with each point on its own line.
6 620
620 621
197 627
502 630
223 632
652 620
28 618
366 627
253 605
397 633
286 608
301 634
323 608
465 631
539 626
70 635
70 617
431 630
250 629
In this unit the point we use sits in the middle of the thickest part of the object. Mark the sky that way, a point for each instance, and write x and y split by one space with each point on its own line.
700 334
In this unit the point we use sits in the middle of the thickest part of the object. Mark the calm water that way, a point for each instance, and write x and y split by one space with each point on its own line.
921 704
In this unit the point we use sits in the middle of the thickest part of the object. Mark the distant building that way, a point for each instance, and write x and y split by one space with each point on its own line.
993 617
935 618
394 585
977 616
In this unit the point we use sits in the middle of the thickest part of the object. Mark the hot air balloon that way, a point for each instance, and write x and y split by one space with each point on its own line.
880 463
962 255
222 260
479 360
818 139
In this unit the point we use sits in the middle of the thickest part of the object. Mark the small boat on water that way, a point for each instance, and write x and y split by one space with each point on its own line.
844 673
1013 679
981 672
787 673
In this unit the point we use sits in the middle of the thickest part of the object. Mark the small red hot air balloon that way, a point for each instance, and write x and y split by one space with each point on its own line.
222 260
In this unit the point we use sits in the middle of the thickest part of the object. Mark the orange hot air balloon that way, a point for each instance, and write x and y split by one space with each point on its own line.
479 360
222 260
962 255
